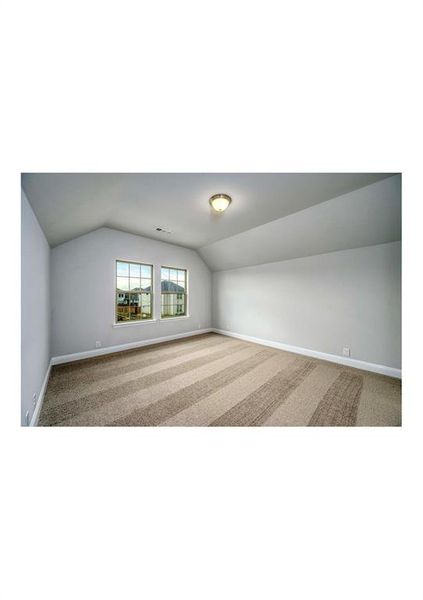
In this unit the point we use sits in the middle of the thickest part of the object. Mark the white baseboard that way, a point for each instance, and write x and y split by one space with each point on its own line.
58 360
37 410
342 360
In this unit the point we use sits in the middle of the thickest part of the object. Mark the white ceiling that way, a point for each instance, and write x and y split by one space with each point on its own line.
68 205
364 217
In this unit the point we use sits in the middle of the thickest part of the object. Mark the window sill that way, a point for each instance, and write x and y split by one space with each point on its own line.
132 323
175 318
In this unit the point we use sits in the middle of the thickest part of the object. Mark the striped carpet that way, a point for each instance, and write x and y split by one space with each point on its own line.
214 380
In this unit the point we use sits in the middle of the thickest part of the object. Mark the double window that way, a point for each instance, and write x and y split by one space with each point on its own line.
134 292
173 292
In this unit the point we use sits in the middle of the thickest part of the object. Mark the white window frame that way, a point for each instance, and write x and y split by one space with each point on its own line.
140 321
187 314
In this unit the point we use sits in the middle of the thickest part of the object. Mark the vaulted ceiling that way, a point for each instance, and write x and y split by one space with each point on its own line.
364 217
272 216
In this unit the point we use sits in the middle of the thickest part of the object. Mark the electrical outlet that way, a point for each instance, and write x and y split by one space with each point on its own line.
346 351
34 400
27 417
98 344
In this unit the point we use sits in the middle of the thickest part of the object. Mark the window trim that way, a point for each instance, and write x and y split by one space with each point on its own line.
139 321
186 314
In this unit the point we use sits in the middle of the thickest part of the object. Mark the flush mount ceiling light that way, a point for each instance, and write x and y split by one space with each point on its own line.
220 202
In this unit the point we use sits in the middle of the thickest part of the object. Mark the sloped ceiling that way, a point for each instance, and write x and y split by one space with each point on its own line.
68 205
272 216
365 217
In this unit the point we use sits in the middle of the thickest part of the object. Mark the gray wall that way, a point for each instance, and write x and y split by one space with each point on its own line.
35 306
325 302
83 290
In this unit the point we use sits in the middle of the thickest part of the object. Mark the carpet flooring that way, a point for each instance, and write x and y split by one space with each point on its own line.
214 380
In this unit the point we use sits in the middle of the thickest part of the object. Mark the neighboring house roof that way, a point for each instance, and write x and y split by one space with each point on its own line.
170 286
135 290
167 286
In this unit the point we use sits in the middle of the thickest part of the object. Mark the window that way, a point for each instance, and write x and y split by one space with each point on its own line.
134 291
174 292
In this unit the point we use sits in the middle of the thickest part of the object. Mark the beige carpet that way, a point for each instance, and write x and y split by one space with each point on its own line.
213 380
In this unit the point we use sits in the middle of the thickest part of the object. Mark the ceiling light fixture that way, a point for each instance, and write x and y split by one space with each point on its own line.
220 202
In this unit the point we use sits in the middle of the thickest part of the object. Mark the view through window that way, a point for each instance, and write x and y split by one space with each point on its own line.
134 291
173 292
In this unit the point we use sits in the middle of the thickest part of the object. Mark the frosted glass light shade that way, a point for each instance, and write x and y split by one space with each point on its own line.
220 202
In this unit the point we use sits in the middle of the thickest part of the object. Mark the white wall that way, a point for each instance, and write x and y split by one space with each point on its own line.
325 302
83 290
35 306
